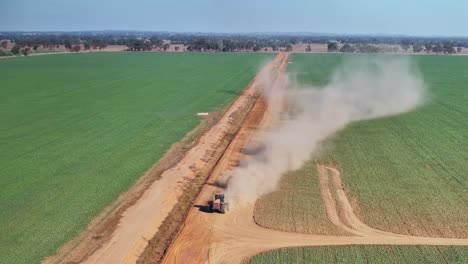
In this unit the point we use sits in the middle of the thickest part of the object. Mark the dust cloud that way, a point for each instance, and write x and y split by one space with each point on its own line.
358 90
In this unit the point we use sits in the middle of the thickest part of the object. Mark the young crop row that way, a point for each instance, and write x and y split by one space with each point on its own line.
296 206
406 174
416 163
366 254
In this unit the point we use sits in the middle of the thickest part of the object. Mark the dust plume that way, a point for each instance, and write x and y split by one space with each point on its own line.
358 90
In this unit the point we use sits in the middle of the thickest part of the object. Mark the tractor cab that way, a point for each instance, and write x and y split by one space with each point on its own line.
218 204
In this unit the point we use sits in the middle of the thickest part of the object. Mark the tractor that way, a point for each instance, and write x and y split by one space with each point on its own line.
218 204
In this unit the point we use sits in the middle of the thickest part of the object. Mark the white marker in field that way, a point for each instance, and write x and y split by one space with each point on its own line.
202 114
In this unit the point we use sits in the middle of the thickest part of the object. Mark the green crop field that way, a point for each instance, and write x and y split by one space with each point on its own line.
415 163
406 174
365 254
77 130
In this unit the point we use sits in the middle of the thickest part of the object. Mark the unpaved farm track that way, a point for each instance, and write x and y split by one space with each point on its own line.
235 237
161 208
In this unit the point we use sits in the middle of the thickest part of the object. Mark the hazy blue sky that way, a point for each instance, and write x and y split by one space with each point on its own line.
428 17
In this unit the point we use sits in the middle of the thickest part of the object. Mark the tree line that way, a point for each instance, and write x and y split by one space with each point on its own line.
444 47
25 42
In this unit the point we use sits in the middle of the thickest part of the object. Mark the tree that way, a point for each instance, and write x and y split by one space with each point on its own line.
347 48
437 48
76 48
102 45
428 47
308 49
138 45
459 49
405 47
166 46
25 51
67 44
220 45
87 46
147 45
157 42
35 46
332 46
417 48
176 48
15 50
4 44
135 44
98 43
448 48
289 47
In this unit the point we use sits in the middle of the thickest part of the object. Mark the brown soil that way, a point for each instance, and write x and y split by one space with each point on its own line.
314 48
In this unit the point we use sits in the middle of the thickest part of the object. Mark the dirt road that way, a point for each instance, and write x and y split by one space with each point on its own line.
140 222
198 225
234 237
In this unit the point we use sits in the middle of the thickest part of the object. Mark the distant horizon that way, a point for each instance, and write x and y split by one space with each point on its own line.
292 33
